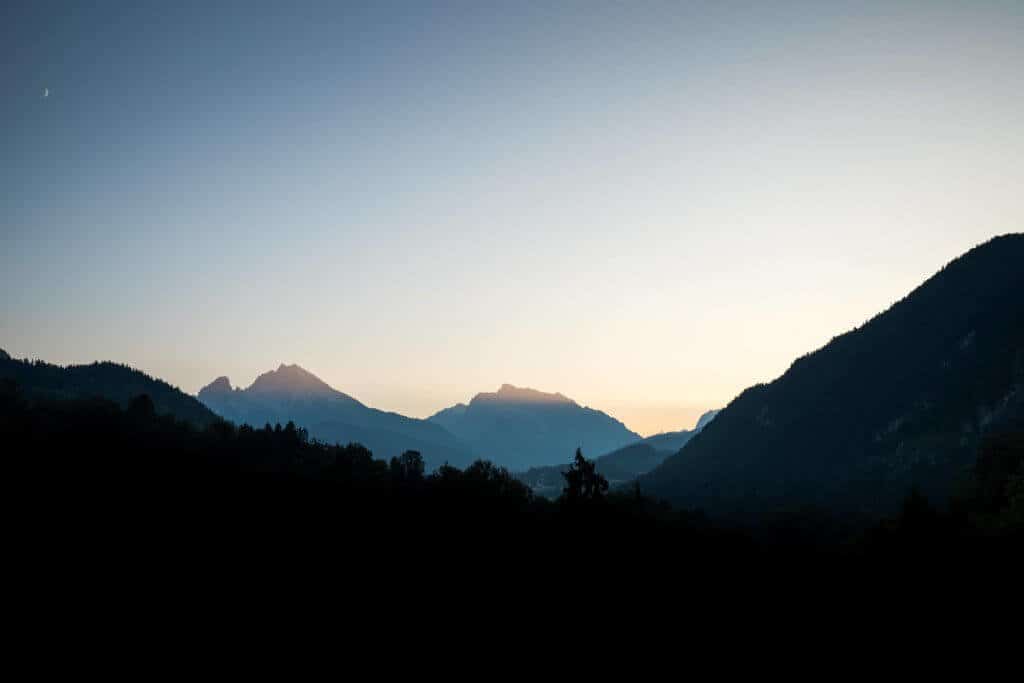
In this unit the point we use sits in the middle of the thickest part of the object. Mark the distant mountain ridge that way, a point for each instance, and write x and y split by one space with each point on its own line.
112 381
292 393
705 419
899 402
619 466
520 428
673 441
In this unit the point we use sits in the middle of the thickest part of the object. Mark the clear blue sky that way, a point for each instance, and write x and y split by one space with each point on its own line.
644 206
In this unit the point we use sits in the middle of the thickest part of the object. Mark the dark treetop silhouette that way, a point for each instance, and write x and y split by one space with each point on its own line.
101 481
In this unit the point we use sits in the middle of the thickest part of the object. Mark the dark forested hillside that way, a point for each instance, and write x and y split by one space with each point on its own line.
522 428
903 401
118 383
291 393
88 478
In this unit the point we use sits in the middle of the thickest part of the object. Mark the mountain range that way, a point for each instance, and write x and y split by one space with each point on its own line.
901 402
898 403
521 428
527 426
513 427
291 393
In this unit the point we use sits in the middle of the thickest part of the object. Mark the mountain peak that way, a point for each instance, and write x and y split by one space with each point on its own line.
292 380
519 428
221 385
509 393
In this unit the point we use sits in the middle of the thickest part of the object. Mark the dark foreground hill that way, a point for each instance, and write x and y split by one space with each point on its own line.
292 394
901 402
112 381
132 492
521 428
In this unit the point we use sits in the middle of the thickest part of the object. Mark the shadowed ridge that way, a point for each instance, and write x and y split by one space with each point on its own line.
449 417
112 381
899 402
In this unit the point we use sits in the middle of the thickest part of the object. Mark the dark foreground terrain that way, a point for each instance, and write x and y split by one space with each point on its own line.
89 480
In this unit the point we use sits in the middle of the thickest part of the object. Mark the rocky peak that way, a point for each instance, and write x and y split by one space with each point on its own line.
292 380
221 385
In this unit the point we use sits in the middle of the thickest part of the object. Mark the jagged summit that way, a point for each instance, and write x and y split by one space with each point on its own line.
509 393
291 379
287 382
292 393
220 385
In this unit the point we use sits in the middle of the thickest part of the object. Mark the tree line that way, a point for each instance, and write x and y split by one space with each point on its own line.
90 462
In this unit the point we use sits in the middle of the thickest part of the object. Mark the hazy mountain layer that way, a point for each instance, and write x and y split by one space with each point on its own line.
619 466
673 441
521 428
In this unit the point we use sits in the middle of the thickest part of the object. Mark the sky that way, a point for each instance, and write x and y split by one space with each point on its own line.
644 206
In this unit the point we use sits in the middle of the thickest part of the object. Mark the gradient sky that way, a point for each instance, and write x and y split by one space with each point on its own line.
644 206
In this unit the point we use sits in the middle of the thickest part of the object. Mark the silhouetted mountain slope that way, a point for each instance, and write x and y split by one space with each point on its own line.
519 428
290 393
621 465
118 383
899 402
